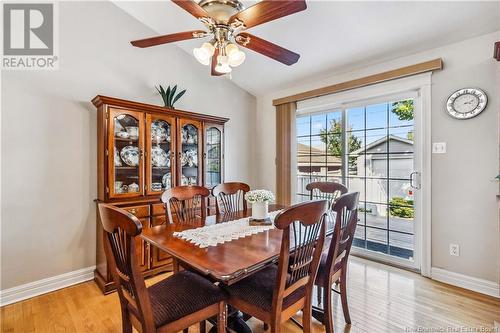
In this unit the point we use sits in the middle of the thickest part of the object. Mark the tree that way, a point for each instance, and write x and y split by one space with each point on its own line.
333 139
403 109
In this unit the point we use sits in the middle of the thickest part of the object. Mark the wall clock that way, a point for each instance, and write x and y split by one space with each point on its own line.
466 103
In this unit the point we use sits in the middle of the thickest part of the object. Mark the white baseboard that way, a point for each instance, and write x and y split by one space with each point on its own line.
32 289
467 282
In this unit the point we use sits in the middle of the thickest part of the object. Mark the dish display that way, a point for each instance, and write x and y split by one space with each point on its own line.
166 180
159 157
188 180
118 160
156 187
122 134
189 158
160 131
133 132
130 155
189 134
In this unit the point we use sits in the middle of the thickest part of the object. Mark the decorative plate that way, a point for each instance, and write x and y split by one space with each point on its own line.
130 155
166 182
159 157
159 132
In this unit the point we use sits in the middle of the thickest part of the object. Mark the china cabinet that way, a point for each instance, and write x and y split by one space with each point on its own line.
142 150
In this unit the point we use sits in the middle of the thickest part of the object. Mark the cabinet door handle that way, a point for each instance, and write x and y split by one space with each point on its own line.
133 211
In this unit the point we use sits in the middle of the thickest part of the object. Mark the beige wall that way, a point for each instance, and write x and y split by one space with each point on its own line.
464 204
49 134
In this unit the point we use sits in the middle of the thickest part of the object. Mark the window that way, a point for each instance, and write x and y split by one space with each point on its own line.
369 148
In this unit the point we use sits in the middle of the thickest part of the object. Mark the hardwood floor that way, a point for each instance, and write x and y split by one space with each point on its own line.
381 299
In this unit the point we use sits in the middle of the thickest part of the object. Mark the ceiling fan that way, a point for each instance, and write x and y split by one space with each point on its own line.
226 21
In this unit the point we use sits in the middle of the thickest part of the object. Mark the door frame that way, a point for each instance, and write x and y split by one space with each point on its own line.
420 85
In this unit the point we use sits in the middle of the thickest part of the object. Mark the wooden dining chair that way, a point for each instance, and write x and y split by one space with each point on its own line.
275 293
326 190
333 263
230 197
186 203
167 306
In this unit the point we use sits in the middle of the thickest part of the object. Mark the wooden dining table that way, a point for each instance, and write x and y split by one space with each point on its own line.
228 262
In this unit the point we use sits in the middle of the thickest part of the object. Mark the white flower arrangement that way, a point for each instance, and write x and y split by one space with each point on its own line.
259 196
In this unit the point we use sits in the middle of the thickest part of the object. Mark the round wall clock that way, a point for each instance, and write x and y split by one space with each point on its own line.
466 103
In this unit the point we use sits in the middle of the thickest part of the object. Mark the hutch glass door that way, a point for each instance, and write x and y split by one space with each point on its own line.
213 155
125 152
189 152
160 146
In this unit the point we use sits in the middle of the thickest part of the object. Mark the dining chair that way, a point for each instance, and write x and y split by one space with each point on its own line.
333 263
275 293
230 197
167 306
187 203
326 190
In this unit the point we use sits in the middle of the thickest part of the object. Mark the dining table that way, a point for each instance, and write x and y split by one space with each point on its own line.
228 262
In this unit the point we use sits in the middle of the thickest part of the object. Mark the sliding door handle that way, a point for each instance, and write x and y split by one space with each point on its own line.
415 186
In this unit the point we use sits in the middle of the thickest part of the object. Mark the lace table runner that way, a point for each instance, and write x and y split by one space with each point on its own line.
220 233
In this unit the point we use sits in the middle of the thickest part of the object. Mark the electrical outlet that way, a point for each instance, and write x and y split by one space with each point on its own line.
454 250
439 148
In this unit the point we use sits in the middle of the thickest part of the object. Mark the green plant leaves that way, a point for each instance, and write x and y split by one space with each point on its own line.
178 96
168 96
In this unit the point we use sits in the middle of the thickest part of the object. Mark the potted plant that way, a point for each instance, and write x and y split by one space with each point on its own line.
169 97
260 200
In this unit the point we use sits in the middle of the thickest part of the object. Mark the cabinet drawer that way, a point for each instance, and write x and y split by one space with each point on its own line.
158 209
138 211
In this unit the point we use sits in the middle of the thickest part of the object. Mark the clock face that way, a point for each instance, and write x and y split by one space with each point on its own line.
466 103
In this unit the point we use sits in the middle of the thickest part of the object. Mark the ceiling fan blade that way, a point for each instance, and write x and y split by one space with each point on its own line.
214 63
268 10
191 7
266 48
153 41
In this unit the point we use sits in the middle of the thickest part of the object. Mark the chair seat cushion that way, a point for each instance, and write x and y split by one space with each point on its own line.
258 288
182 294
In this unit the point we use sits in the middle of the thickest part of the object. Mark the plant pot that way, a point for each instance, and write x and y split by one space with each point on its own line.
260 210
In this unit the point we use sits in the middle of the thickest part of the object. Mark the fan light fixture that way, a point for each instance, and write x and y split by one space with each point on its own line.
226 22
229 56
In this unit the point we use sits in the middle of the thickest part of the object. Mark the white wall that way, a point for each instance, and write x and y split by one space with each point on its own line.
464 204
49 134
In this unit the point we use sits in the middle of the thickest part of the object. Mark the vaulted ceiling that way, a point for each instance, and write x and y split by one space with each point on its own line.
333 36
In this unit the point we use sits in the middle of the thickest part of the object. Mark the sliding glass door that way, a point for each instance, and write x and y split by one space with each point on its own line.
371 149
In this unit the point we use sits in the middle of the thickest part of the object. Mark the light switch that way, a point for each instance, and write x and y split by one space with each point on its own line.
439 147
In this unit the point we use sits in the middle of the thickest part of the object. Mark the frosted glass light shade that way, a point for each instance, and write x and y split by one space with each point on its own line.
236 57
223 65
203 53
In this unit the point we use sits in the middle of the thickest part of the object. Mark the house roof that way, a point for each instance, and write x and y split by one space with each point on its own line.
381 141
310 156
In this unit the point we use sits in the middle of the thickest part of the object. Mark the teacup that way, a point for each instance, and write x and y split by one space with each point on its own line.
156 186
133 188
133 131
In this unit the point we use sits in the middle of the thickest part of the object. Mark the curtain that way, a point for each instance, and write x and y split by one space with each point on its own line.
285 127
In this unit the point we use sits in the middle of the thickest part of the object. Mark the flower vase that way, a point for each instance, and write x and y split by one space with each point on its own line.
260 210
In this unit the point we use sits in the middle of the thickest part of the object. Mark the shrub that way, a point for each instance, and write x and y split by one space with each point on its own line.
401 207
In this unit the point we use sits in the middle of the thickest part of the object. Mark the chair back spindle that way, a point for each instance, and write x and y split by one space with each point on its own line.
186 203
230 197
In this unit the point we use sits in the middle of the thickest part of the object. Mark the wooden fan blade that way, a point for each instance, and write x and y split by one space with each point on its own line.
153 41
192 8
214 63
266 48
268 10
